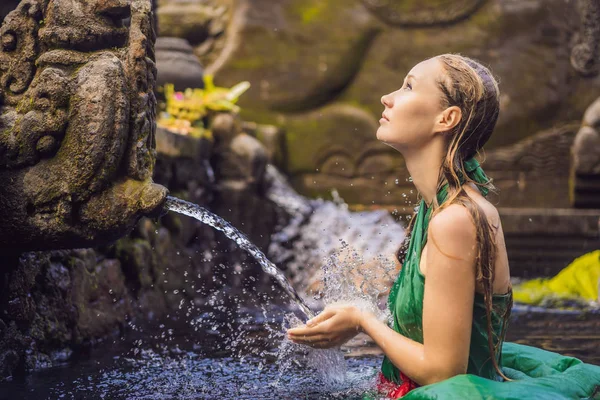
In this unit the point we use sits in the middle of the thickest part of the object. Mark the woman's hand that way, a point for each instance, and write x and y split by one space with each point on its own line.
333 327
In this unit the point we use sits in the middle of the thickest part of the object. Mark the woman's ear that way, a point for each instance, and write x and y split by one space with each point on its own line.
448 119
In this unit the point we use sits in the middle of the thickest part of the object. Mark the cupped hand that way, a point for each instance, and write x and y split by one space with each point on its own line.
333 327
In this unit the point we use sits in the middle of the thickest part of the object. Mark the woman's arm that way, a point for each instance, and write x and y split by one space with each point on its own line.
447 309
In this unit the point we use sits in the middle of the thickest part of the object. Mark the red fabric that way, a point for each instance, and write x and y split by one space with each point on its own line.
393 390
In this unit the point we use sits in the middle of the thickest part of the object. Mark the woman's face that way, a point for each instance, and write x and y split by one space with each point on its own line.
409 118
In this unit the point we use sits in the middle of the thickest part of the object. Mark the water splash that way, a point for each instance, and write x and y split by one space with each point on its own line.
206 217
314 245
330 365
318 232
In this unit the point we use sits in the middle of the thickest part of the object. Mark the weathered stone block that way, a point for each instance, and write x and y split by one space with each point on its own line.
177 64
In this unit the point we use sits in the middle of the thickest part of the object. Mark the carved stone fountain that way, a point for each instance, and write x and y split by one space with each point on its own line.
78 152
77 131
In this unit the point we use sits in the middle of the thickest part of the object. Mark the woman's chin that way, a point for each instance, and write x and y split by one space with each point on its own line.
382 135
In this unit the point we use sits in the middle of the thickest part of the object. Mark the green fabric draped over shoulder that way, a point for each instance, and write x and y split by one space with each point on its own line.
537 373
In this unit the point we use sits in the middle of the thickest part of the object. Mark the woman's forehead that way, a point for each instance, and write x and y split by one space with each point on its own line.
430 68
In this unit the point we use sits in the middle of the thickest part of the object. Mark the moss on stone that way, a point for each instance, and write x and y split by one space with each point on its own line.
250 62
310 12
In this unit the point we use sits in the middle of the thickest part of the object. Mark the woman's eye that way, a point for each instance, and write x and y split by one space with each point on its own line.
408 86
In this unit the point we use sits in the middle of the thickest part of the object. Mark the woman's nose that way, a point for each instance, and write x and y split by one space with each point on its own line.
385 100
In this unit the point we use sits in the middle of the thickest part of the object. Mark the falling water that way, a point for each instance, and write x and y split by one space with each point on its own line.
206 217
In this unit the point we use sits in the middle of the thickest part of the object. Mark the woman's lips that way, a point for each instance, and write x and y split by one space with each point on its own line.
383 119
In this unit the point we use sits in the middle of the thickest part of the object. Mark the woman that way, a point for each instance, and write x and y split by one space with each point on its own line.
451 303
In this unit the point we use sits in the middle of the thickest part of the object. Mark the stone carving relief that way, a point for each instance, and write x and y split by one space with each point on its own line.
585 55
77 112
360 168
533 171
585 163
584 187
424 13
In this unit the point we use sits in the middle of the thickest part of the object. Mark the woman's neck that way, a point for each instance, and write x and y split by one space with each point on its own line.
424 170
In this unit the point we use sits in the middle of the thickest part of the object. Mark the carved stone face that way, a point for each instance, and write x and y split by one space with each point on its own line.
85 24
76 122
38 129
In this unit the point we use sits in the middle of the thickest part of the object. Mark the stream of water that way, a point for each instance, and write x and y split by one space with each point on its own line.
207 217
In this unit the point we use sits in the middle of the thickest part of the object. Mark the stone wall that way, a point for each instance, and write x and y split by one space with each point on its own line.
54 303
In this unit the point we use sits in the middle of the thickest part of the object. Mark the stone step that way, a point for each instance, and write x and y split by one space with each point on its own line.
542 241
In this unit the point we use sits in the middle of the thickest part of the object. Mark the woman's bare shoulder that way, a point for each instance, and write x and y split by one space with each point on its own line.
454 224
453 218
452 230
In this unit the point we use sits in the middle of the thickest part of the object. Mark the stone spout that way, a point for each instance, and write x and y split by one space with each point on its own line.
77 122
